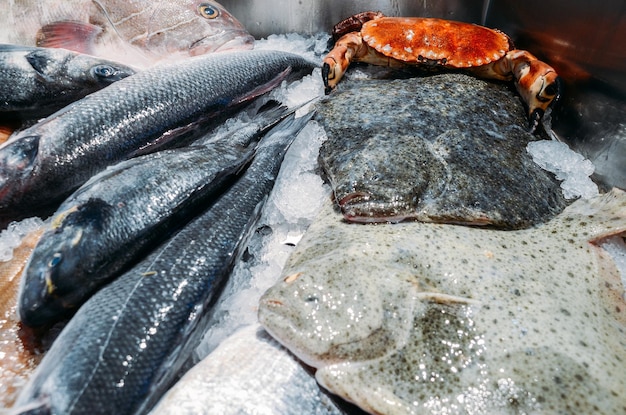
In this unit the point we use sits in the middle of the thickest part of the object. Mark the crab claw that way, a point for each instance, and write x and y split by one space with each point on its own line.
335 64
326 72
539 85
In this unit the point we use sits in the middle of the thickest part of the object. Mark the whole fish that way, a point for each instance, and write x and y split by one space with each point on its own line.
137 32
443 148
110 221
44 163
126 344
248 373
422 318
39 81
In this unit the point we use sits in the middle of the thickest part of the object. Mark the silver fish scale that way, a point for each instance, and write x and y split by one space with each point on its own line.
115 217
129 340
110 125
39 81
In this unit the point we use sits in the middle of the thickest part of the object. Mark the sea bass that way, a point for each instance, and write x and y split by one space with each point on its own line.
44 163
421 318
126 344
38 81
248 373
137 32
110 221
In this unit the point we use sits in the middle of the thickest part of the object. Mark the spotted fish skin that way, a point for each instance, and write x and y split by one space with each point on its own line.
44 163
445 148
422 318
130 339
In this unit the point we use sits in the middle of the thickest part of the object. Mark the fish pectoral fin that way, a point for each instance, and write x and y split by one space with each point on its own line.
76 36
40 61
262 89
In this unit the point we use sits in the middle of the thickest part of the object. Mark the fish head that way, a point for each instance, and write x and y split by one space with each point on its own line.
326 315
194 27
17 163
59 274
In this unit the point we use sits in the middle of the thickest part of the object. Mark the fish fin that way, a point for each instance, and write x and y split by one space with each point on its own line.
596 218
41 63
262 89
76 36
168 138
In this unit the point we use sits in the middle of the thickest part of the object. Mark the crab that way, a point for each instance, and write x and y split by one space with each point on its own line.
374 38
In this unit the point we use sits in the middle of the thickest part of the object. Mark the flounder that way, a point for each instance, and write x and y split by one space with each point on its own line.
444 148
422 318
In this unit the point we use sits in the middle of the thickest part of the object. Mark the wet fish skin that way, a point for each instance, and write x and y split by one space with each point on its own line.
136 32
44 163
422 318
249 372
111 220
445 148
39 81
129 340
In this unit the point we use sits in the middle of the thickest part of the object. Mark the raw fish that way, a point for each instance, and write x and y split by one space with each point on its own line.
443 148
127 343
249 373
421 318
138 32
118 215
39 81
44 163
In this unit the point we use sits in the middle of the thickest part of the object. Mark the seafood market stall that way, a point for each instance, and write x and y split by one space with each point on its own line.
216 208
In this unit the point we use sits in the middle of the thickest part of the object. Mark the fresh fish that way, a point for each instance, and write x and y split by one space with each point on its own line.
137 32
44 163
39 81
130 339
248 373
18 348
116 216
444 148
422 318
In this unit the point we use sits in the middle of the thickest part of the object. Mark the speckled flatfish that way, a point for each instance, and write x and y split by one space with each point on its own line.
422 318
444 148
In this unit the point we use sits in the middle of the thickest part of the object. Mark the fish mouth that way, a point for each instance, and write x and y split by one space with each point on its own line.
240 40
273 316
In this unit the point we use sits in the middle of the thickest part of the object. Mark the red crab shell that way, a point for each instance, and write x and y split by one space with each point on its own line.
450 43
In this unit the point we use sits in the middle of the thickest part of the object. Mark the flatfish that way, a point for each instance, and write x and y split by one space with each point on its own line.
444 148
423 318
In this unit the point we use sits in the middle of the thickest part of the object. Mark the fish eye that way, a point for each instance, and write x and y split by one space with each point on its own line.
104 71
56 260
208 11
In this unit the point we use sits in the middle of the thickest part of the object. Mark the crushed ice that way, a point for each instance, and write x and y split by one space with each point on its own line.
569 166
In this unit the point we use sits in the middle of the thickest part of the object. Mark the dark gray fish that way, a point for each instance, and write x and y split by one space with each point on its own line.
45 162
112 220
39 81
444 148
125 345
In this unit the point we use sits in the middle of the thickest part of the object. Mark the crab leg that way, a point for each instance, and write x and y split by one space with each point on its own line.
536 81
335 64
350 48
